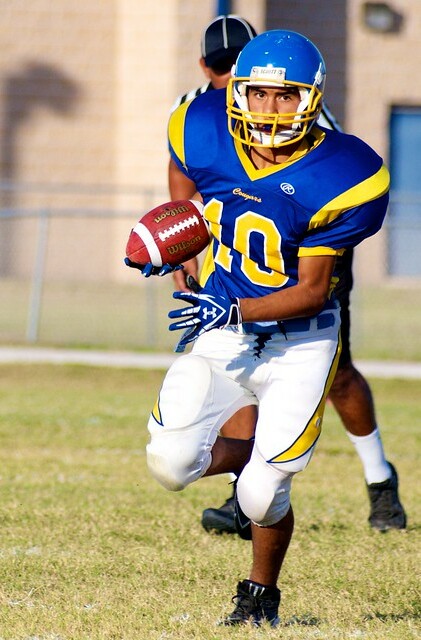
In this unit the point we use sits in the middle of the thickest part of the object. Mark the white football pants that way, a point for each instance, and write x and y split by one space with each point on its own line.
288 377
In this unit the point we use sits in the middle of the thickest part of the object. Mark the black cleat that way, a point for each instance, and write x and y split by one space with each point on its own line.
220 520
241 521
386 510
255 605
229 518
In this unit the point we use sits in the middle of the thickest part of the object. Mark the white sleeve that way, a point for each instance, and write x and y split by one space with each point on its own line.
186 97
327 120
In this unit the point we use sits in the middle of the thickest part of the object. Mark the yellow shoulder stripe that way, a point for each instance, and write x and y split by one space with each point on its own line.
176 130
319 251
367 190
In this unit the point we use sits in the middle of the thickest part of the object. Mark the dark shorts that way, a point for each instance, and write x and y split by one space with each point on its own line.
343 271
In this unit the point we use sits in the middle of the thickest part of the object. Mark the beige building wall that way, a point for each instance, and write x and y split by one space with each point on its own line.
85 94
58 68
157 58
383 70
84 99
58 127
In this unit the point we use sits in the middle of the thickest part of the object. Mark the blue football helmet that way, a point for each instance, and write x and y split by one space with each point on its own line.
276 58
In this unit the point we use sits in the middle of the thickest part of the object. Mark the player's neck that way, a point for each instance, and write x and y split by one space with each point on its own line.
263 157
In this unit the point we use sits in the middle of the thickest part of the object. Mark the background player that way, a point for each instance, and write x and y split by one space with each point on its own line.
350 393
265 327
221 42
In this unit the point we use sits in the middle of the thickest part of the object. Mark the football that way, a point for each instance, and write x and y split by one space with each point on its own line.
169 234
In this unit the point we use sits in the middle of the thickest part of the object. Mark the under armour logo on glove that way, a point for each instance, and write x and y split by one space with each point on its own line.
209 311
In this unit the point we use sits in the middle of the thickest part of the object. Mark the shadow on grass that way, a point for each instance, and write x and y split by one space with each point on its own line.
393 617
309 620
306 620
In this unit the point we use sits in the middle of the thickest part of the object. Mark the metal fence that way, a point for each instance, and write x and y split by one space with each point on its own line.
63 281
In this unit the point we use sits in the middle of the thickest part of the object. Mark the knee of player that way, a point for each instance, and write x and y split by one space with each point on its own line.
264 497
162 470
175 468
177 462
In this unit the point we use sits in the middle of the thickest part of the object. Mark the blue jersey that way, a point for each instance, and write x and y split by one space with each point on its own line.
328 197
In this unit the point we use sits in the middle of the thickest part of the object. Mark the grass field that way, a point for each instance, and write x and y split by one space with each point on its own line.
93 549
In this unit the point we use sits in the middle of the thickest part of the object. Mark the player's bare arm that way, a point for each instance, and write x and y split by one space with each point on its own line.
306 298
180 186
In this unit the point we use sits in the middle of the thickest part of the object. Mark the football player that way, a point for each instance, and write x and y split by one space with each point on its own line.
283 197
350 393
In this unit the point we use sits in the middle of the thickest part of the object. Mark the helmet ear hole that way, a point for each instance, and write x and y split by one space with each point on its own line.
276 58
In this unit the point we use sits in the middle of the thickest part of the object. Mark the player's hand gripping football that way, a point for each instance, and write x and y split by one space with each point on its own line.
149 270
209 311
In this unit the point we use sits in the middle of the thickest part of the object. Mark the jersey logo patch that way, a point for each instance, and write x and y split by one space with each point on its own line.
287 188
